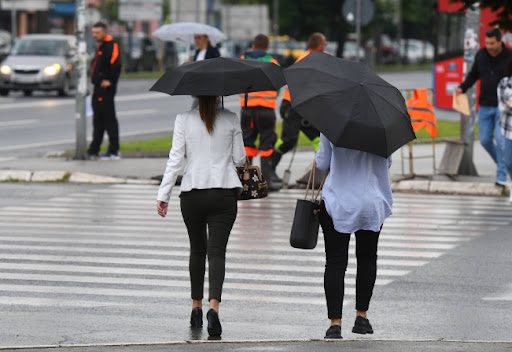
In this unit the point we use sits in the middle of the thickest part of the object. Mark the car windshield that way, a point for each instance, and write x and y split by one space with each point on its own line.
39 47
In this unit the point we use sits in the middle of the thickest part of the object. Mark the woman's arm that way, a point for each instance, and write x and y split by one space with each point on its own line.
323 155
176 157
238 151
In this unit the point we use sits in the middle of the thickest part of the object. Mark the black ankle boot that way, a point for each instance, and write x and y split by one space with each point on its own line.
196 318
214 327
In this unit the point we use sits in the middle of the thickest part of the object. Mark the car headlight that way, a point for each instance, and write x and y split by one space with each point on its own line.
52 70
5 70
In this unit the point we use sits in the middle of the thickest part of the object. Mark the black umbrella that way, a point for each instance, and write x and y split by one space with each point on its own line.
220 76
350 104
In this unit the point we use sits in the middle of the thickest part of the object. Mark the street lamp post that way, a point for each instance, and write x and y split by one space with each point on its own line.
80 120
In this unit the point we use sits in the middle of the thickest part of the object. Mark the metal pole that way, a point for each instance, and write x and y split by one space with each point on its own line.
80 120
358 28
14 23
467 123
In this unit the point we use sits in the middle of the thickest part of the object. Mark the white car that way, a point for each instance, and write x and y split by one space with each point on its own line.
40 62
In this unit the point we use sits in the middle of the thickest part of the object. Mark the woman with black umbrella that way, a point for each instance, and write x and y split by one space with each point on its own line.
356 197
210 138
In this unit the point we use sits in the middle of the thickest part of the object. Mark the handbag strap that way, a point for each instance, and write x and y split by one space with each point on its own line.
311 181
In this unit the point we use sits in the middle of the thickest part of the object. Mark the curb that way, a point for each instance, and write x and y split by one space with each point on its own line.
67 177
450 187
405 186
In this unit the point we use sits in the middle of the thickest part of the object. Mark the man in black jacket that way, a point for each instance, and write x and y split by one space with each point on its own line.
105 71
489 66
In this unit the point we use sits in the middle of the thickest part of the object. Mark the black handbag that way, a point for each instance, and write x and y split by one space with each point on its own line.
254 186
304 234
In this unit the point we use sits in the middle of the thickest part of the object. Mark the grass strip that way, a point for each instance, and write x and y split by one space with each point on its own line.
446 129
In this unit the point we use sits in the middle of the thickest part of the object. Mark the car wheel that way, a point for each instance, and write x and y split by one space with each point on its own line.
4 92
66 88
27 92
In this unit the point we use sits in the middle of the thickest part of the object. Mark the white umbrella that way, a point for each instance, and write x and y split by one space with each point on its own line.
184 32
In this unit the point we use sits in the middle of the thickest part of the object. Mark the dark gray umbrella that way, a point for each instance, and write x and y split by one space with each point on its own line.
350 104
220 76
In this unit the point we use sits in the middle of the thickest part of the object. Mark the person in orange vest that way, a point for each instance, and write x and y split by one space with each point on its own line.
293 123
258 116
422 112
105 71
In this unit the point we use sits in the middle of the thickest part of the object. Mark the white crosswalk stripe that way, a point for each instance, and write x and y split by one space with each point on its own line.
107 247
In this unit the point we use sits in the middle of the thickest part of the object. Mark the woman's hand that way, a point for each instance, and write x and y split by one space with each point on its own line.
161 207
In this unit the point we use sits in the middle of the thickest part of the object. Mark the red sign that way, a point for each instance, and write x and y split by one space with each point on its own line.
447 77
448 6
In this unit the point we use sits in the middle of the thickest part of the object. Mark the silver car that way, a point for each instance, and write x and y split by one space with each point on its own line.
40 62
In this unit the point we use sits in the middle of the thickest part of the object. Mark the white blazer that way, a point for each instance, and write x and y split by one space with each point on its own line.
211 158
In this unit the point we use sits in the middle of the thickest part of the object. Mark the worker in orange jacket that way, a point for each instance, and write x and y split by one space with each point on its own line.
258 116
105 71
293 123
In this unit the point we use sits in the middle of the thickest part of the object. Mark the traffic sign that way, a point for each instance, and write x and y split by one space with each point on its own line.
142 10
349 11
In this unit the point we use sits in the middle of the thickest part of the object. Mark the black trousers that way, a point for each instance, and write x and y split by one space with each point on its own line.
104 119
293 123
258 120
209 215
336 255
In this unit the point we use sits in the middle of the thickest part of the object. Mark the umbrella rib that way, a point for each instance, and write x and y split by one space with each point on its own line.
394 107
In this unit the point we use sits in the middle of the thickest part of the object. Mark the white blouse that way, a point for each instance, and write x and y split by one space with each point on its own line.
211 158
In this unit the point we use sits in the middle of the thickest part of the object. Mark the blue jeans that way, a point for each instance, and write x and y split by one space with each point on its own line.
506 150
491 137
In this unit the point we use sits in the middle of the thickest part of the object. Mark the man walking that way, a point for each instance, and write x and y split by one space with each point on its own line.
258 116
489 66
293 123
105 71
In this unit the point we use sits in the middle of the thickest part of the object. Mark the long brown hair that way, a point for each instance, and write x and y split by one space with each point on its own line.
208 111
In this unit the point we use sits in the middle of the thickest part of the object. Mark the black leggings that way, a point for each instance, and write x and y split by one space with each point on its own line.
216 210
336 254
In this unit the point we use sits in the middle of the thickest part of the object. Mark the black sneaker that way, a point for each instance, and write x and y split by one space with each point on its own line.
196 317
334 332
362 326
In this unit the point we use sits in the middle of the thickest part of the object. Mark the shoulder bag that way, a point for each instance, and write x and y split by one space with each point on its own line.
254 186
304 234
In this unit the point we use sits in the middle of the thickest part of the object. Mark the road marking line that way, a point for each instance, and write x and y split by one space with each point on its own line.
18 122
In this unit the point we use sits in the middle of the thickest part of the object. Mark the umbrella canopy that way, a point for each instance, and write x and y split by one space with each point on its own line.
184 32
220 76
350 104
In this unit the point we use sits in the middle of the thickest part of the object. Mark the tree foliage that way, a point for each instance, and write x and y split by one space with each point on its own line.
502 8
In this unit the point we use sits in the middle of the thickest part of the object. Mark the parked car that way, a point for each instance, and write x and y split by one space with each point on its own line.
143 53
40 62
417 51
350 53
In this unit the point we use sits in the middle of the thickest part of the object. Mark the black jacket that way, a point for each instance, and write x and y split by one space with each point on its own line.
106 63
490 70
211 52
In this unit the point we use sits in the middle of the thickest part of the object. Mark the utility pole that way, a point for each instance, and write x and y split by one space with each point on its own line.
80 121
275 24
467 123
358 28
14 23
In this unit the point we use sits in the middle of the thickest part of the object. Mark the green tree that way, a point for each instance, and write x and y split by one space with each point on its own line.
502 8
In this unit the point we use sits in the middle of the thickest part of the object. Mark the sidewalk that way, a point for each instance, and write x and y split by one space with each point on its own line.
148 170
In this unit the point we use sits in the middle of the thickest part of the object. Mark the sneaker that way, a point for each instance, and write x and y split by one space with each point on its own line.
500 183
334 332
362 326
110 156
93 156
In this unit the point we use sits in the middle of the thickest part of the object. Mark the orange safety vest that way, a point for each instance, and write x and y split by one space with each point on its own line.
422 112
286 91
267 98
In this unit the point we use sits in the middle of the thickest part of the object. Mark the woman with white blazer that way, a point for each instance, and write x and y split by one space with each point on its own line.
210 138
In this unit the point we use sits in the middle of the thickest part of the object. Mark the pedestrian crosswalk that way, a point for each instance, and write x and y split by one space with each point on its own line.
107 247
